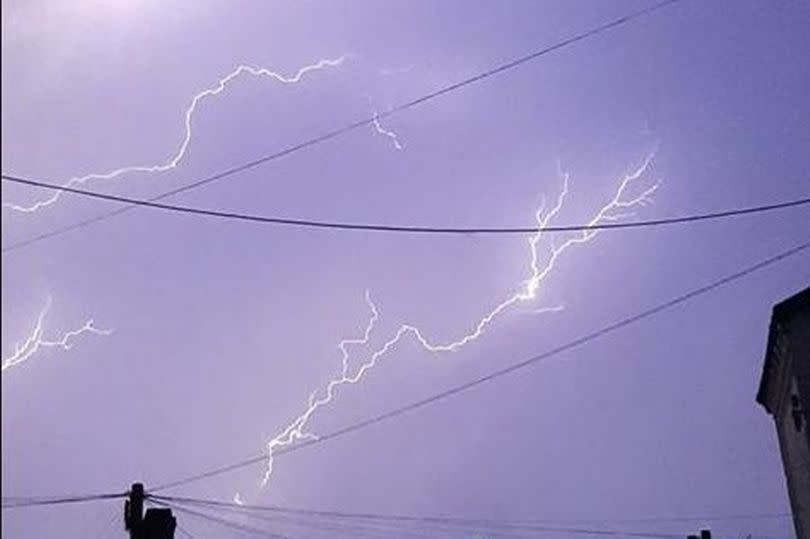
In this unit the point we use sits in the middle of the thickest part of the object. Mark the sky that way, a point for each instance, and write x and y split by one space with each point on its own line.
210 336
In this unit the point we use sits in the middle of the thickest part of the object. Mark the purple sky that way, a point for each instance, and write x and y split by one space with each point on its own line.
222 330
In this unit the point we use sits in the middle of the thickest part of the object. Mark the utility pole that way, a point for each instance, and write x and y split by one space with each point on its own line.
159 523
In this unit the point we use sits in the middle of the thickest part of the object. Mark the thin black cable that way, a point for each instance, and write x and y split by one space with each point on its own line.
58 232
366 121
224 522
448 519
408 229
576 343
370 527
442 521
16 502
363 528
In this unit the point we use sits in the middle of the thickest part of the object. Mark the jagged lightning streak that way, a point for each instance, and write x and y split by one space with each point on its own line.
386 132
619 207
25 350
379 129
178 156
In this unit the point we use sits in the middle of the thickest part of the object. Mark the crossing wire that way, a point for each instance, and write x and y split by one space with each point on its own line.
19 502
222 521
570 345
407 229
448 519
403 520
309 522
22 501
509 65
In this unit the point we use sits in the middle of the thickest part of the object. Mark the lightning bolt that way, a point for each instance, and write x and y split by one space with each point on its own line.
385 132
25 350
175 160
619 207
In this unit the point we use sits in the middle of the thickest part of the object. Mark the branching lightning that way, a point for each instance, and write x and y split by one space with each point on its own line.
178 156
27 349
619 207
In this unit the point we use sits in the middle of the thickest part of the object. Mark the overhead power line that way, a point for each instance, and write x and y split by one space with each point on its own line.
409 229
449 519
222 521
506 66
576 343
310 523
30 501
444 523
17 502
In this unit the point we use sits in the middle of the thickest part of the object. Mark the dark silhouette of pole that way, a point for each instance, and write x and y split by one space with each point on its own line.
133 510
158 523
704 534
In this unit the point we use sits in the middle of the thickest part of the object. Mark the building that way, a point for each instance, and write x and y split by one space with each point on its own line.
784 392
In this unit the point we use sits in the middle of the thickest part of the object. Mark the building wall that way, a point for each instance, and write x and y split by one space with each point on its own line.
793 344
795 451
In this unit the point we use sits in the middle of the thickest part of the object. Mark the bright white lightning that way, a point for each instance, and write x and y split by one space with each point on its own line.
386 132
178 156
26 350
544 310
617 208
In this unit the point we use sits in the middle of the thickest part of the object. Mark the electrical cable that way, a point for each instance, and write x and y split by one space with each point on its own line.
410 229
17 502
447 519
622 20
570 345
224 522
479 524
